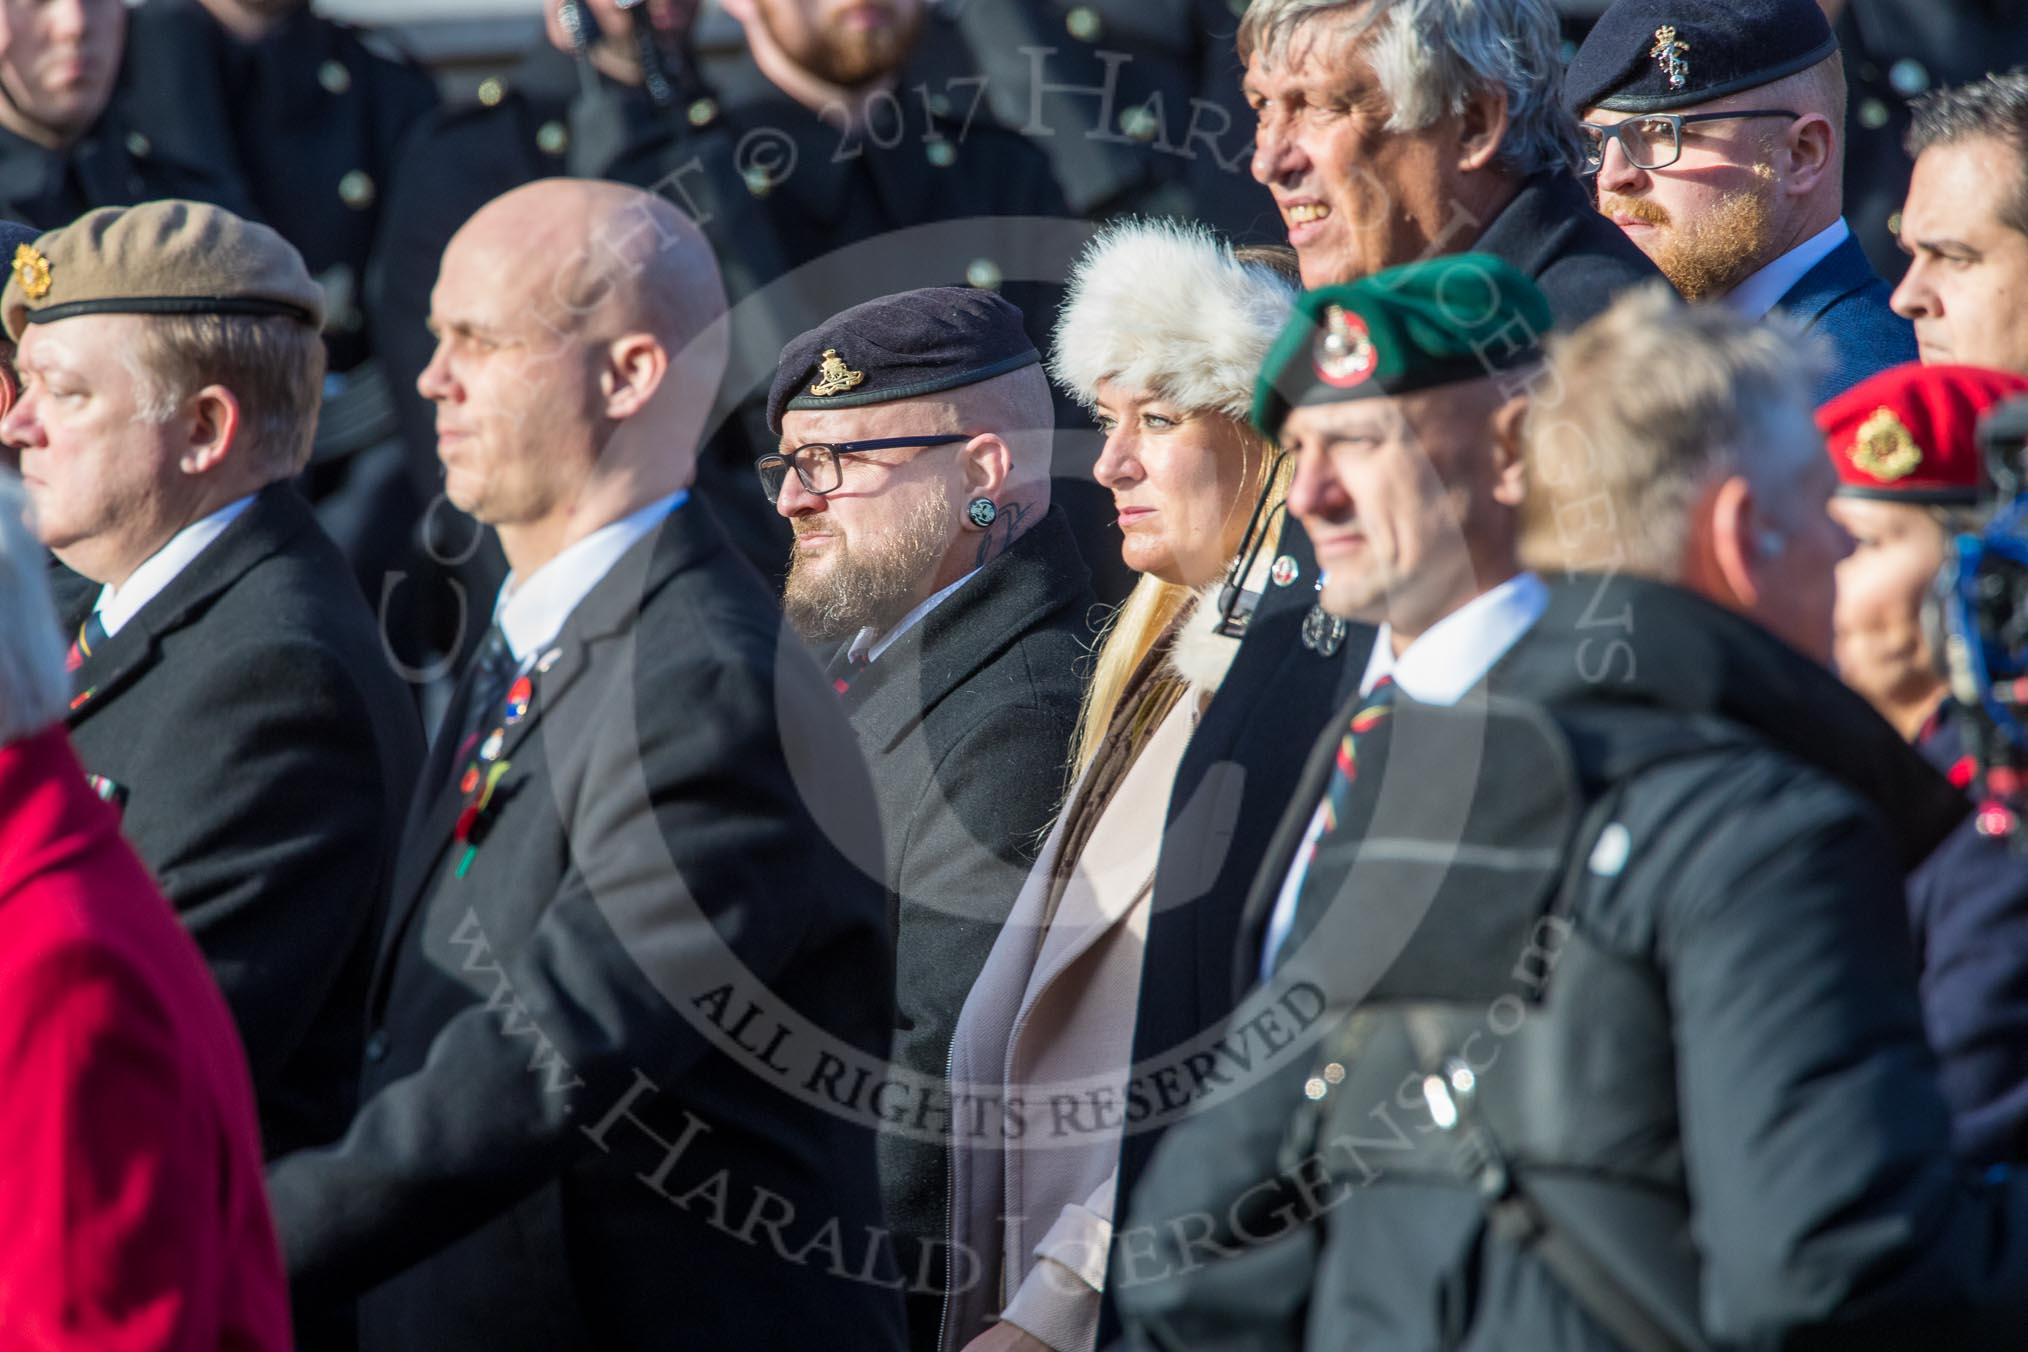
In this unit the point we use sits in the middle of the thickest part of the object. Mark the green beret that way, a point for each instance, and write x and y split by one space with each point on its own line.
1444 320
158 258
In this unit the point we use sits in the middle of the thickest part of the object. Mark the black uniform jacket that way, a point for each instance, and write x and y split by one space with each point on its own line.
262 751
772 185
624 1018
966 724
1689 1016
307 122
1236 776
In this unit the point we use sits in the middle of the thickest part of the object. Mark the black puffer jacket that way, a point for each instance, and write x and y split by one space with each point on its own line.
1649 893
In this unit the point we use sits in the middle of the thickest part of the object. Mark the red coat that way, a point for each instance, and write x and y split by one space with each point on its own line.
132 1210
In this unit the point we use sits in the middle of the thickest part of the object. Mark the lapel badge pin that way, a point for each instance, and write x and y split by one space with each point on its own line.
1286 570
549 659
490 748
1323 633
518 696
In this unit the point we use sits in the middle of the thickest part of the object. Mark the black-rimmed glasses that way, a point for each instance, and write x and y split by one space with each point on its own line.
1653 140
817 466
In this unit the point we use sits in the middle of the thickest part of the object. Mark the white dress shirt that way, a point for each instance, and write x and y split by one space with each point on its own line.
117 605
1760 293
531 613
1441 667
867 646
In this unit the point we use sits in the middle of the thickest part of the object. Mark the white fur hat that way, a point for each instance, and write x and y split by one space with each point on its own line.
1163 305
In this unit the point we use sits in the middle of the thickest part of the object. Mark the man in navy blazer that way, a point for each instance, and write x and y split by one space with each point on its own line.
1714 132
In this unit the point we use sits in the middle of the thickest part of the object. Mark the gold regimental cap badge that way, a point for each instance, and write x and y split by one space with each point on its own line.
31 269
834 376
1885 448
1672 56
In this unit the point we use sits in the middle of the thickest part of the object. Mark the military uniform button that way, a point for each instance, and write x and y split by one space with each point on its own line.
984 274
942 154
376 1046
552 138
702 112
334 77
1335 1073
1894 224
1872 114
491 91
1084 24
1314 1088
939 106
356 190
1139 124
759 181
1909 77
139 146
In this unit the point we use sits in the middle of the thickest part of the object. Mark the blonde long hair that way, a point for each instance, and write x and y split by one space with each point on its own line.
1168 306
1154 608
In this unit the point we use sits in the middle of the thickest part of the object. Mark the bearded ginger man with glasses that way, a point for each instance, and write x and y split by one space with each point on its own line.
953 612
1713 130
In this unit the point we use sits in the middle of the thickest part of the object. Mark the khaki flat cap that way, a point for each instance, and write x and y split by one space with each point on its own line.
158 258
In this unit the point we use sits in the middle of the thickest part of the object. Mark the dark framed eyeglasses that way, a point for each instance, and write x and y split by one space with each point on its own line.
817 466
1654 140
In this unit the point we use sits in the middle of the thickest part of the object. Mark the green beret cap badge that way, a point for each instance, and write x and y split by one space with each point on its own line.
1344 349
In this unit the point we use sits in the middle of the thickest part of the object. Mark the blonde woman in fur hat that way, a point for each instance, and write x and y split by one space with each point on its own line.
1161 336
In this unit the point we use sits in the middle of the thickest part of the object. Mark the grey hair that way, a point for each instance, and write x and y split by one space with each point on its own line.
272 364
1996 106
1656 400
33 684
1432 55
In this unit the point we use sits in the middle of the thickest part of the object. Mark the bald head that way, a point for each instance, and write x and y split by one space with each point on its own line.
582 339
599 256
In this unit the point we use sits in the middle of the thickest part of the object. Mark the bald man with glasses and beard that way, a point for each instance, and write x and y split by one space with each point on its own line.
954 611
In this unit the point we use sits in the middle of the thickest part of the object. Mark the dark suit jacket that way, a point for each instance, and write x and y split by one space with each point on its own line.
966 723
1968 916
264 750
574 1132
1843 299
1237 775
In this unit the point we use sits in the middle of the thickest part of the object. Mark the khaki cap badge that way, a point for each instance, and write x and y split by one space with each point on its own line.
31 269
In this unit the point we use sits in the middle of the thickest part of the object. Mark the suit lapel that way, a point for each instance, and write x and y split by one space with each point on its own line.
611 608
269 524
1837 275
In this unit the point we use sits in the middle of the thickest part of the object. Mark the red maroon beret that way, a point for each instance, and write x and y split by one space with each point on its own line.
1910 433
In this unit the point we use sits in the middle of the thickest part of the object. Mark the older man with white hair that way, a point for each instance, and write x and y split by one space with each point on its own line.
132 1178
1389 131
